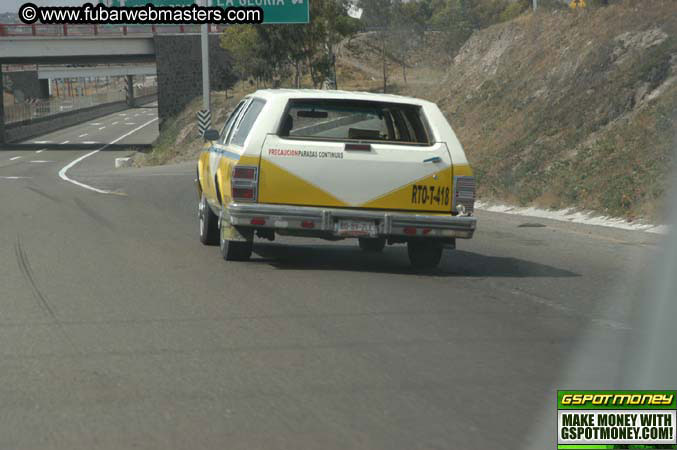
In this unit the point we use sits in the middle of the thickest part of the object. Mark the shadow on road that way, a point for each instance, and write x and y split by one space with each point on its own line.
394 260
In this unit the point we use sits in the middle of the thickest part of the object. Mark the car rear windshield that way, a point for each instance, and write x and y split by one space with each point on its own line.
355 121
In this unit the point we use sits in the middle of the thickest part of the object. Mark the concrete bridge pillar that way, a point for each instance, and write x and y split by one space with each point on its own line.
129 89
2 109
44 88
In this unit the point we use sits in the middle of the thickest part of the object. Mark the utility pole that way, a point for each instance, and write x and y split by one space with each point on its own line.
535 4
205 115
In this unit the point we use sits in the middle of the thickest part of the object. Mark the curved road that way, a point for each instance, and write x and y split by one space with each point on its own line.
119 330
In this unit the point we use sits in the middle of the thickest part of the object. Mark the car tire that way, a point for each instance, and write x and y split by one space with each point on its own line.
424 254
372 245
209 223
235 250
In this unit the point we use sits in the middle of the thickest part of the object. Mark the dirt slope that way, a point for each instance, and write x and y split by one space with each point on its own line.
179 138
570 109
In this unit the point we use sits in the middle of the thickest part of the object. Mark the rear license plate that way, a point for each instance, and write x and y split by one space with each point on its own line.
356 228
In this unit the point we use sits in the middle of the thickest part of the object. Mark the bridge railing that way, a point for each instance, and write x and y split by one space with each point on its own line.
44 30
41 108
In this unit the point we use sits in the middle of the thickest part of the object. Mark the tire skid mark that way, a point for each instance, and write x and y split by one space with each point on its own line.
43 194
27 272
98 218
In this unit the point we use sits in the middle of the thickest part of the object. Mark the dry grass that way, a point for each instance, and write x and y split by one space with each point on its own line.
565 109
179 139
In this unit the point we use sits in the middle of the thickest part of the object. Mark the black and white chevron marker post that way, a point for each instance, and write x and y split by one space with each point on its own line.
204 120
204 117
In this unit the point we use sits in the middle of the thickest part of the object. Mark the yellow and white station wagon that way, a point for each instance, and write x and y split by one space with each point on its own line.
384 169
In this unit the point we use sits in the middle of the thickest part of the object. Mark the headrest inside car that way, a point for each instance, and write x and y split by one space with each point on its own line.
359 133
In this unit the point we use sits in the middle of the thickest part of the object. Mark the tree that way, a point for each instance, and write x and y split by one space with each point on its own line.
244 44
339 27
408 31
319 39
378 15
274 51
222 74
454 20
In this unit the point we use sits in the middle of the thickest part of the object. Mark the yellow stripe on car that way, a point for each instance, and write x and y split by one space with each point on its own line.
280 186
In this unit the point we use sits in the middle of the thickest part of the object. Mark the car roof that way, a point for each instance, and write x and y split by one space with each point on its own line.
334 94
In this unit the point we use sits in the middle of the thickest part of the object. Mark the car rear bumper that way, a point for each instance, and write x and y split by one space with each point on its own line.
388 223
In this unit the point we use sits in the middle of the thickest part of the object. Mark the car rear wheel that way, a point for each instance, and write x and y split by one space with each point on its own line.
372 245
209 223
424 254
235 250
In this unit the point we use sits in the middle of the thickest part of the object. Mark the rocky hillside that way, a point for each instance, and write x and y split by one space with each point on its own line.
569 108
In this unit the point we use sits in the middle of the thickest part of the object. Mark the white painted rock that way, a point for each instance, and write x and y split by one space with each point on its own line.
123 162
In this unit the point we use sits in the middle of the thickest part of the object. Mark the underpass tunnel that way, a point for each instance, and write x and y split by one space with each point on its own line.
36 94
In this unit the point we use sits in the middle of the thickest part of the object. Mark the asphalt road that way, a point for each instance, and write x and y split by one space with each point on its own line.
118 329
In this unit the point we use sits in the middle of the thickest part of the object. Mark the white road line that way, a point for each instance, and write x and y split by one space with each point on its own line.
130 123
83 135
101 128
13 178
62 172
114 123
40 161
95 123
64 142
15 158
41 142
41 150
89 142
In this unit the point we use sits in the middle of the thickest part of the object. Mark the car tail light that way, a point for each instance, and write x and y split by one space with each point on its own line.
308 224
464 195
258 221
244 173
244 183
243 193
409 230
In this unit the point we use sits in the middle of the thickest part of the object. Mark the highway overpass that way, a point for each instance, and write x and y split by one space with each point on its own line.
76 49
173 50
80 44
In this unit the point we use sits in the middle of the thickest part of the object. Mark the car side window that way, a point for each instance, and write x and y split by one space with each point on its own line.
418 128
230 121
236 121
247 122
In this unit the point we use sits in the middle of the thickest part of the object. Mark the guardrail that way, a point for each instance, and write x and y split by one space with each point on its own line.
65 30
27 111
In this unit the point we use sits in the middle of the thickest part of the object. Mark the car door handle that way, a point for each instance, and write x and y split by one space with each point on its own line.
434 159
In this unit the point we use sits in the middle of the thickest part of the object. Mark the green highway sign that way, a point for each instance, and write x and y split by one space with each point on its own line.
274 11
117 3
